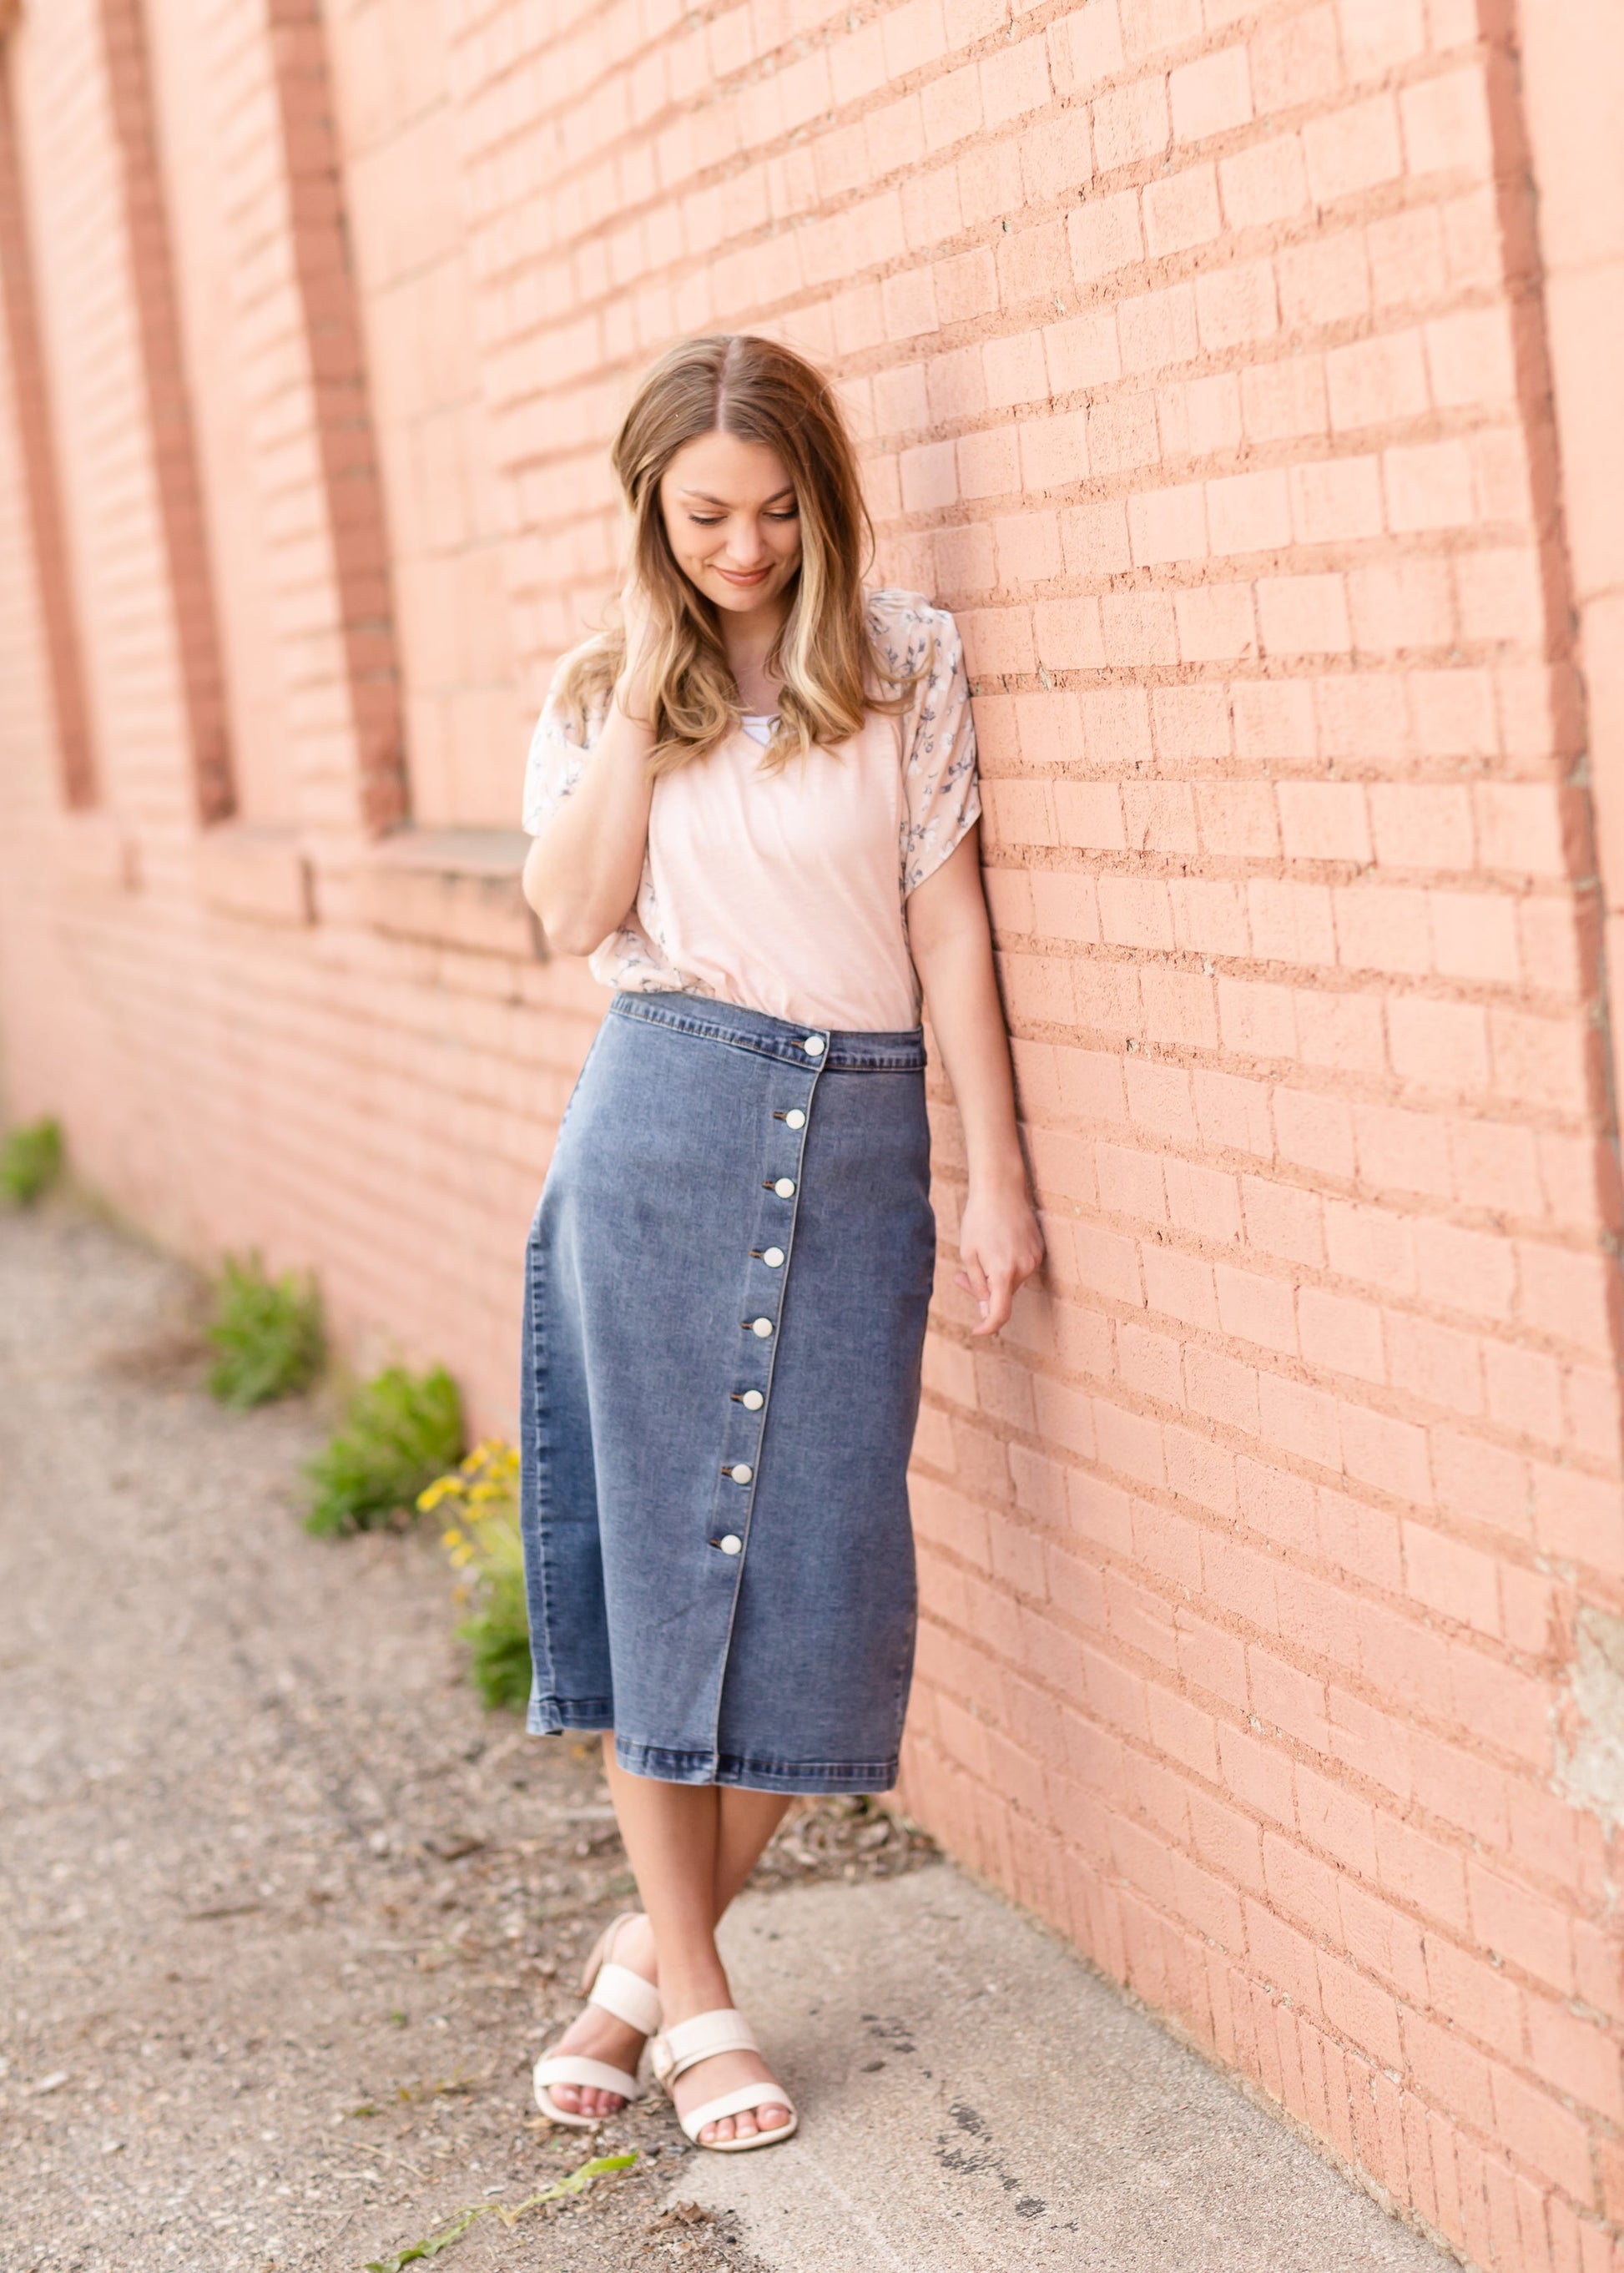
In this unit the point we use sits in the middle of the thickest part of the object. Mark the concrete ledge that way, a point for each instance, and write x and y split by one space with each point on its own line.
454 886
98 851
261 873
974 2099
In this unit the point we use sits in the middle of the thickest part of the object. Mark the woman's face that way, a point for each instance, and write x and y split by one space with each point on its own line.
733 520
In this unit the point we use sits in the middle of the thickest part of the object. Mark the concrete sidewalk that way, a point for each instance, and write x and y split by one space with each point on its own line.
973 2096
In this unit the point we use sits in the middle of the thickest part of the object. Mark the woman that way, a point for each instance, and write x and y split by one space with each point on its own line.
754 806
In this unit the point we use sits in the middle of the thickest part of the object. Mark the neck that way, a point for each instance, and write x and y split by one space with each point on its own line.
748 636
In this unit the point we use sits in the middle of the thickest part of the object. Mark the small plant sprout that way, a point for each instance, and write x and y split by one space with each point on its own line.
480 1498
601 2166
30 1162
400 1431
266 1334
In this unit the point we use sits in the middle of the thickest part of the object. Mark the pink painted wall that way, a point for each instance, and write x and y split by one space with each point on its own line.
1238 374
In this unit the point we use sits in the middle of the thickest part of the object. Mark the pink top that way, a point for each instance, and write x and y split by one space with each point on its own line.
785 892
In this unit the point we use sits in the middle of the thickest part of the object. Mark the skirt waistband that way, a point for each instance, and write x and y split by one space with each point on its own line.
839 1049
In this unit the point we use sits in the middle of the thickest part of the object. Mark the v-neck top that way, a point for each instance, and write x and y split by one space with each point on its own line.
785 892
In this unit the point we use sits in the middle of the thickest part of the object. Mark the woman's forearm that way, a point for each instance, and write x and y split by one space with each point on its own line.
999 1242
951 944
582 871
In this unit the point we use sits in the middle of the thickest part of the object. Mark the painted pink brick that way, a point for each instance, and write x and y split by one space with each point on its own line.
1266 183
1130 123
1156 329
1353 149
1283 401
1104 235
1446 125
1182 211
1336 500
1428 486
1295 59
1014 81
1015 370
1324 821
1168 524
1086 46
1274 719
1237 306
1376 382
1249 513
1082 352
1210 95
1440 1045
1215 623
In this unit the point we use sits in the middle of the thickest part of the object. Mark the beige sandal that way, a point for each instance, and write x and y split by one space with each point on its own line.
685 2044
631 1998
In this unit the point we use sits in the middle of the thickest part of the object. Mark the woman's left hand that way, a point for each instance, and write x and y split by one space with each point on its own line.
1000 1247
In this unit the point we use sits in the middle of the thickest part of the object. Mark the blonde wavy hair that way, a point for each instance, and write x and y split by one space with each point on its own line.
829 668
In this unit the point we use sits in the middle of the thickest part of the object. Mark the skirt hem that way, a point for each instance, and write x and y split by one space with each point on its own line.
550 1716
795 1777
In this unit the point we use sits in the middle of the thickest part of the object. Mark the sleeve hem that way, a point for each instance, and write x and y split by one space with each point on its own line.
941 853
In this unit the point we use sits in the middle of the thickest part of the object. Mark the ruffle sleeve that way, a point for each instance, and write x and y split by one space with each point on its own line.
556 761
941 793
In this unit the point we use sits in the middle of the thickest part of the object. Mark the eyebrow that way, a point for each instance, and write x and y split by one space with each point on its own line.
704 497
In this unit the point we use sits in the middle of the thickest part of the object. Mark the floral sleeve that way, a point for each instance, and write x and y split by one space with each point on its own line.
632 957
941 795
556 761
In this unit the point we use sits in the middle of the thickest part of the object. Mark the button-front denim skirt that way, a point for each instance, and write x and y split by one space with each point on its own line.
724 1310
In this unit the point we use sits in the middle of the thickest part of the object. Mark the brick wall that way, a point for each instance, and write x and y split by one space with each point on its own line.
1273 1564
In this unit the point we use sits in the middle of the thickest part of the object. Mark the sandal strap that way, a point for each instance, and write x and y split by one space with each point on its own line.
573 2068
603 1949
627 1996
735 2102
686 2043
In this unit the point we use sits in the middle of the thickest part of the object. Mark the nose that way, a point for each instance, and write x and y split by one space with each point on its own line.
746 549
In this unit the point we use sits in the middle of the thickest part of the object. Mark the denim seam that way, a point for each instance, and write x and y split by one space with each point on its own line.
540 1416
803 1133
716 1767
588 1712
706 1029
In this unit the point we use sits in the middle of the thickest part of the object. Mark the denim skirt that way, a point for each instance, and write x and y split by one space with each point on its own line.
725 1294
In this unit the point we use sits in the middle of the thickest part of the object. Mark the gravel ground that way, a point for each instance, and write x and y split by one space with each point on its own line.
284 1916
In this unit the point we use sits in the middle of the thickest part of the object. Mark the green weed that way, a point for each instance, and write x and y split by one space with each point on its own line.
400 1431
600 2166
30 1161
481 1498
266 1334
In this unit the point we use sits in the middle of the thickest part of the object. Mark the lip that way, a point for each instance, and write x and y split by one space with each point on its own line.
746 579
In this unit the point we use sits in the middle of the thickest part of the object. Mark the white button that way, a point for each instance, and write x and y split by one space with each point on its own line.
815 1046
795 1118
785 1188
773 1257
761 1327
741 1472
752 1401
731 1544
